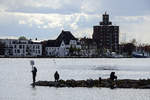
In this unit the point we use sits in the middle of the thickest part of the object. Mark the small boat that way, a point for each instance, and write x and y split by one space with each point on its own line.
138 55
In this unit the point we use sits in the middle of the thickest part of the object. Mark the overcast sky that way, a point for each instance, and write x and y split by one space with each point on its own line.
45 19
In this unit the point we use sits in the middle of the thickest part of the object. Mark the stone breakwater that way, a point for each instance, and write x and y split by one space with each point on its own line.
107 83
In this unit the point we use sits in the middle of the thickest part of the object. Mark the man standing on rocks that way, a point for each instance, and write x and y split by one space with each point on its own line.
34 71
56 76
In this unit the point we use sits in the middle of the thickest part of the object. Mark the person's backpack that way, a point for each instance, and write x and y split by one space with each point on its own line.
35 69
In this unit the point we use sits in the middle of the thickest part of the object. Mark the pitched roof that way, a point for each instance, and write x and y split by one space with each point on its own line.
52 43
65 36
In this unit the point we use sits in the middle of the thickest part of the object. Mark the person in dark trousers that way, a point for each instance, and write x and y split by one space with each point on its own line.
34 71
56 76
113 76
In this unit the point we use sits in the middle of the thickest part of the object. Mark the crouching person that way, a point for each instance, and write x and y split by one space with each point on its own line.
113 79
113 76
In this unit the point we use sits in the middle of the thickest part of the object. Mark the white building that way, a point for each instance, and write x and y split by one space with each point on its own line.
62 49
22 48
61 46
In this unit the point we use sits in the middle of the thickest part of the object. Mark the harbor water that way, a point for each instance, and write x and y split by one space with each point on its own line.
16 77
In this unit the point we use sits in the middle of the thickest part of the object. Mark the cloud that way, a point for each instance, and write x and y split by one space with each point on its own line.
127 7
21 22
134 27
90 6
45 19
80 24
40 6
117 7
46 24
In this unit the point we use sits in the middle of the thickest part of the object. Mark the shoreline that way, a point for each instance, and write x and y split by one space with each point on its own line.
72 57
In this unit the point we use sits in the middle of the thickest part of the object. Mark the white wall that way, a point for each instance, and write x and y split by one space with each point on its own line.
62 50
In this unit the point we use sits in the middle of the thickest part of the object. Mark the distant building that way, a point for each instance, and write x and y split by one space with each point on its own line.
62 45
22 48
88 47
106 35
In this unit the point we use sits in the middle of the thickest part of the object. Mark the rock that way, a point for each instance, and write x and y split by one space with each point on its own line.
124 83
90 83
145 87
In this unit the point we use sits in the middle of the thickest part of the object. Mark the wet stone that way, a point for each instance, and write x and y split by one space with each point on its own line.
124 83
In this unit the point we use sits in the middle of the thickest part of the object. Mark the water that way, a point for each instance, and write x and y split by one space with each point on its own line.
15 78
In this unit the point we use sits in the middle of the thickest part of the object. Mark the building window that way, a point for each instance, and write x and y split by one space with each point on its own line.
18 51
20 46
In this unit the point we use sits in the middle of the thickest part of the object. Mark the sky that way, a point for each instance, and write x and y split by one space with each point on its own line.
45 19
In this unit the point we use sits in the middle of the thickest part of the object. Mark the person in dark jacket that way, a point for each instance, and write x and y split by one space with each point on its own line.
56 76
113 76
34 71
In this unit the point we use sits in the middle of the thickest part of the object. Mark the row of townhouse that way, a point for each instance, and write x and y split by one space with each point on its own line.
61 47
64 45
21 48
